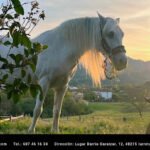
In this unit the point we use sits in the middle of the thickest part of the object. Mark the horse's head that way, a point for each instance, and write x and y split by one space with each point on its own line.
112 36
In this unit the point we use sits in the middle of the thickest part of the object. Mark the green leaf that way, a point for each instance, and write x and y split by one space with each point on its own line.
13 56
26 52
5 77
17 82
16 38
18 7
7 43
37 47
32 66
32 51
16 15
19 58
33 90
45 47
23 73
8 16
34 59
26 41
3 60
16 96
24 87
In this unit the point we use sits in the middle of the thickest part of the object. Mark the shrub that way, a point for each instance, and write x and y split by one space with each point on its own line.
70 106
90 96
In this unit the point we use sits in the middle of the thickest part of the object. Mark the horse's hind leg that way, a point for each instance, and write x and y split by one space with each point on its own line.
59 95
39 103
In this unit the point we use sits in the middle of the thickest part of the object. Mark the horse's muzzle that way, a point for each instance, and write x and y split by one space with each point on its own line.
120 61
122 65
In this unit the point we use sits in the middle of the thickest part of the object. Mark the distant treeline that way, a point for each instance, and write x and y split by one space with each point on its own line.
26 105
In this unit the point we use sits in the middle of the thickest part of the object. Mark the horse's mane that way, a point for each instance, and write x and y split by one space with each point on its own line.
86 34
93 63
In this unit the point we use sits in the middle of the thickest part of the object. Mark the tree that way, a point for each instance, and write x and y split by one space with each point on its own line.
90 96
15 28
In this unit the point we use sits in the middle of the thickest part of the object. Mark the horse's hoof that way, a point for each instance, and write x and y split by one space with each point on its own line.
54 130
31 130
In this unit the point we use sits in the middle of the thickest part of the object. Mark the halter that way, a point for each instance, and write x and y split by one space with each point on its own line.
110 52
107 48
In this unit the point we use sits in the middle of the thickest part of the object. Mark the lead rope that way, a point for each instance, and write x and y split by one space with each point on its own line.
109 69
109 73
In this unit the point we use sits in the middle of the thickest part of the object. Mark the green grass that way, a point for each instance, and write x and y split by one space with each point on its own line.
107 119
107 106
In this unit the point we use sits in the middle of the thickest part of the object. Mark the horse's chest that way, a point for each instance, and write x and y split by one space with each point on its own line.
62 76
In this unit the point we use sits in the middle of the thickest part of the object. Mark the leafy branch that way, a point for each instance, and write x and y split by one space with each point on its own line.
16 26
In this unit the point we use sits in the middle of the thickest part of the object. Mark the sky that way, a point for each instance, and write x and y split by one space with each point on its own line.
134 19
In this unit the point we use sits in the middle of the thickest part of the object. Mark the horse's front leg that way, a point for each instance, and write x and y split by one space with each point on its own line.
39 104
58 99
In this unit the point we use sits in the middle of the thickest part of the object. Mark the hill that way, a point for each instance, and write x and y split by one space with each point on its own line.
137 72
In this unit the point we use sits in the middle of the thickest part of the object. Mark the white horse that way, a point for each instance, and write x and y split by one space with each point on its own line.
78 41
81 40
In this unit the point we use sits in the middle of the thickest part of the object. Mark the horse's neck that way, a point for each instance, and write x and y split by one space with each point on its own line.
82 35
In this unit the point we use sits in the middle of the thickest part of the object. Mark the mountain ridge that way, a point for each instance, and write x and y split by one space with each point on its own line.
137 72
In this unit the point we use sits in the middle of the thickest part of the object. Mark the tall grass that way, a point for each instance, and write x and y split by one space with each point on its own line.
107 119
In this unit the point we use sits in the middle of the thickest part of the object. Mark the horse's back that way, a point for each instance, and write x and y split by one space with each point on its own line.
46 38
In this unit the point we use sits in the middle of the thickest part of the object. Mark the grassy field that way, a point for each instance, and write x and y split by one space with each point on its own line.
108 118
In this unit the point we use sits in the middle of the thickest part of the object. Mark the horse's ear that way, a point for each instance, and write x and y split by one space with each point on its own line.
101 18
118 20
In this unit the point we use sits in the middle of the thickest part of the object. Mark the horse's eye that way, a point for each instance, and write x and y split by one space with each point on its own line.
111 34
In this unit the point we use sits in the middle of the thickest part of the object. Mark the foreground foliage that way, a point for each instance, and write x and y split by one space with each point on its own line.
16 26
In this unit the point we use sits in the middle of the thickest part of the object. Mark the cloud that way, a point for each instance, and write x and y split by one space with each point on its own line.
127 10
135 17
